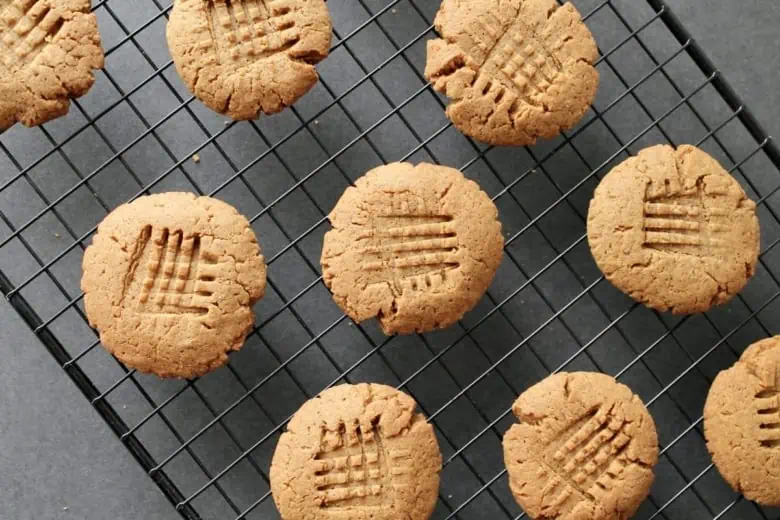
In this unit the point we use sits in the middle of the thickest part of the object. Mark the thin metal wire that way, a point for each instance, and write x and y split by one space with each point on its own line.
185 504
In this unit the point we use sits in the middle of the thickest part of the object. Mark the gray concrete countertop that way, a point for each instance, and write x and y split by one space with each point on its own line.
741 38
58 459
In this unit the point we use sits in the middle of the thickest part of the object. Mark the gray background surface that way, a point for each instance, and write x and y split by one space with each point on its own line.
56 453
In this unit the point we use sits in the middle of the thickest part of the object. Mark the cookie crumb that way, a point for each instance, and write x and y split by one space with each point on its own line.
196 158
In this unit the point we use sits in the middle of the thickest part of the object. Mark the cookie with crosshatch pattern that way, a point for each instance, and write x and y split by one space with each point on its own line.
48 51
674 230
585 448
514 70
169 282
414 246
246 57
742 423
357 452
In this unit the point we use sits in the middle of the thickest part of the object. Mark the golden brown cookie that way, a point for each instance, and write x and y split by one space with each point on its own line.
244 57
672 229
585 449
415 246
170 281
514 70
357 452
742 423
48 50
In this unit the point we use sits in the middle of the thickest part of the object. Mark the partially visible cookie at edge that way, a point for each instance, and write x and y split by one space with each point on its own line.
414 246
169 282
49 51
357 452
585 448
674 230
514 70
247 57
742 423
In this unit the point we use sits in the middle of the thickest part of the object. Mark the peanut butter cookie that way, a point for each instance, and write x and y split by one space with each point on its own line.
357 452
415 246
742 423
514 70
48 50
246 57
585 448
672 229
170 281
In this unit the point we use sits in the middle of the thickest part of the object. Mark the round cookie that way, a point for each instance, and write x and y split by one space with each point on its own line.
358 452
48 50
415 246
246 57
169 282
673 230
514 70
585 448
742 423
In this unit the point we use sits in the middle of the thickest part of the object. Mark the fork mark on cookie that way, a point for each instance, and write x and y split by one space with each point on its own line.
407 245
584 460
767 406
239 32
515 59
171 273
511 64
26 28
355 469
681 219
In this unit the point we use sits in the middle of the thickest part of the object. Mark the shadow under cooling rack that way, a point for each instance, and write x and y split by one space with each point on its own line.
208 443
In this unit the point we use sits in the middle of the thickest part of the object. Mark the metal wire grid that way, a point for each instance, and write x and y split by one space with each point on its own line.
208 443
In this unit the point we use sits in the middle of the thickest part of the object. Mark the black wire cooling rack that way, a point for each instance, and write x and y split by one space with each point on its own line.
208 443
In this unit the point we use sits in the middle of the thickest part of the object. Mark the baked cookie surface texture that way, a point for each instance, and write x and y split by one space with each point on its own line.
514 70
169 282
242 58
742 423
414 246
585 449
674 230
48 52
357 452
